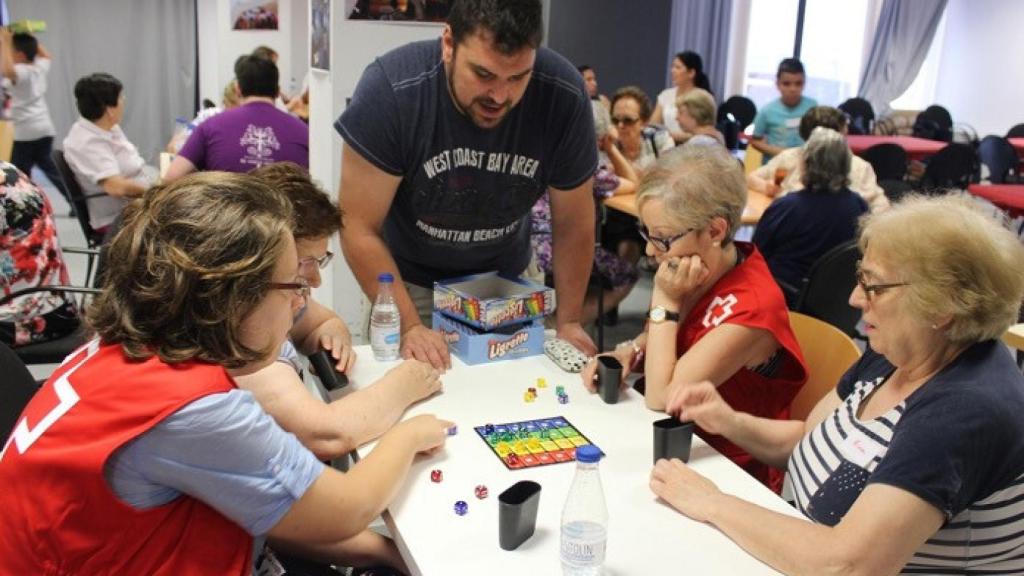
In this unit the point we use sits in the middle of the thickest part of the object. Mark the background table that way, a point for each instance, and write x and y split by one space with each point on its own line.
1009 197
646 536
916 148
757 203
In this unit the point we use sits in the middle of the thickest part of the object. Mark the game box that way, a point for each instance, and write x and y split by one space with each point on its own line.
475 346
488 301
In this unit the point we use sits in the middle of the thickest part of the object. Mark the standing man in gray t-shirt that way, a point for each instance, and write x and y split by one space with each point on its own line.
447 147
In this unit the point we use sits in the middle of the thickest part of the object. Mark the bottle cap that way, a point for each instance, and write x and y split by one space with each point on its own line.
588 454
385 277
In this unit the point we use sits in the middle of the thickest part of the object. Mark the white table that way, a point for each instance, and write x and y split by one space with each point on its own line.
646 536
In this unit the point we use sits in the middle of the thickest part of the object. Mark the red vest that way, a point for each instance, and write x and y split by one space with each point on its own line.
748 296
59 515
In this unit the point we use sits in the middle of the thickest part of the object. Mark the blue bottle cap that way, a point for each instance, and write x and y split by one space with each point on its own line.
588 454
385 277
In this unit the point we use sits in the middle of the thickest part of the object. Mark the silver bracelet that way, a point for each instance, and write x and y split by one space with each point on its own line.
632 344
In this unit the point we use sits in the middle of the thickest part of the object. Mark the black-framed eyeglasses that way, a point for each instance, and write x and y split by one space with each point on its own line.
624 120
300 288
320 262
870 290
662 244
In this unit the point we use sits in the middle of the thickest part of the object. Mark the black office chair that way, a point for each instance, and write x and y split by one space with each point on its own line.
952 167
79 199
826 291
895 189
862 115
934 123
889 161
16 388
50 351
1016 132
742 109
999 156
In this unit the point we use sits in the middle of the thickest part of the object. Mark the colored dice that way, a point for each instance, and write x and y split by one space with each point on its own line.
436 476
480 491
461 507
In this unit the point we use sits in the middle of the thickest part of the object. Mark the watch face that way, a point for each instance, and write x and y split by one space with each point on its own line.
657 314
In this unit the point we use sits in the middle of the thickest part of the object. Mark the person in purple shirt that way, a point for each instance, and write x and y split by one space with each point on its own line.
251 135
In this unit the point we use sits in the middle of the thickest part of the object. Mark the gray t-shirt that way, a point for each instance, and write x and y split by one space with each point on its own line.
464 201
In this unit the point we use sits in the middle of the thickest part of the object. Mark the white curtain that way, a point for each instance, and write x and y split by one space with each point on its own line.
149 45
904 35
703 26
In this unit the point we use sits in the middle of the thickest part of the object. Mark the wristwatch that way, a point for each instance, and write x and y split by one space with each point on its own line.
659 314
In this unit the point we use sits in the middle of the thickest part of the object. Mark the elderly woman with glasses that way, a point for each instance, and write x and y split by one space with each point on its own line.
716 314
640 144
915 463
140 455
333 429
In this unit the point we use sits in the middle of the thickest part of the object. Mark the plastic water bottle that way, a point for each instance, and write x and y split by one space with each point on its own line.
584 518
385 322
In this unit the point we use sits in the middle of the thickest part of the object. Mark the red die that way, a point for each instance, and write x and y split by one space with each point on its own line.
435 476
480 491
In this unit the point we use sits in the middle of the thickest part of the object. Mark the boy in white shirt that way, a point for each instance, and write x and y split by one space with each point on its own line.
25 63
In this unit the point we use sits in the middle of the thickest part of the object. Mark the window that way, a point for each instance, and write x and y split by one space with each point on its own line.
832 46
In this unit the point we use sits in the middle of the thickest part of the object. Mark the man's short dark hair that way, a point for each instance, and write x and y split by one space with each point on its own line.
825 116
27 45
514 24
95 93
584 67
790 66
256 76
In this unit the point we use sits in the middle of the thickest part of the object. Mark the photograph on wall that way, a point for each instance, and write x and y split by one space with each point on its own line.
320 34
398 10
254 14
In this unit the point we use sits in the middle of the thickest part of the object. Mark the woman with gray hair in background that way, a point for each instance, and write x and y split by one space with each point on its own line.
915 463
716 314
798 228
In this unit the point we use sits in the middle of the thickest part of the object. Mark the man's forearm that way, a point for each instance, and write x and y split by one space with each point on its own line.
573 254
368 256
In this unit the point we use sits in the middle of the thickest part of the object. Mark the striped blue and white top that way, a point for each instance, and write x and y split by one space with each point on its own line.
956 442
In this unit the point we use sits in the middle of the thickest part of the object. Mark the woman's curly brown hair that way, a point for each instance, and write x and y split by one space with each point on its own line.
191 261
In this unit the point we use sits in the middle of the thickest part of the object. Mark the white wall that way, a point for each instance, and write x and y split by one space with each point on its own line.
219 45
981 79
354 44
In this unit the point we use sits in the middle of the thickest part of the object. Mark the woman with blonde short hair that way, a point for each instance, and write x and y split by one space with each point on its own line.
716 314
697 114
915 463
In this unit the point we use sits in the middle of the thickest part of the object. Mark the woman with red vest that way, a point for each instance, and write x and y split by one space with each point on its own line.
716 313
139 455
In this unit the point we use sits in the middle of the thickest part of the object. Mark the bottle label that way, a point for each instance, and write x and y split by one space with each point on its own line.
583 544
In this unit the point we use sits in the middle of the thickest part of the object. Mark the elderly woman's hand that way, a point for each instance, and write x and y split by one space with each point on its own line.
624 353
702 404
678 277
684 489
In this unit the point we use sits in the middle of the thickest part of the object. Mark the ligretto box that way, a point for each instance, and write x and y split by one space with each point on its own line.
475 346
488 301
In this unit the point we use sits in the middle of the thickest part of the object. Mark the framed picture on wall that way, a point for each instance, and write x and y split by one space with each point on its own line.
254 14
320 35
398 10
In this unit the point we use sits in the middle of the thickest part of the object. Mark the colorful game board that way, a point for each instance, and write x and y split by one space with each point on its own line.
533 442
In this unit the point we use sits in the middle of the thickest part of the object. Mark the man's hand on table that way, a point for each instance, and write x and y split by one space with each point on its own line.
425 345
573 333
